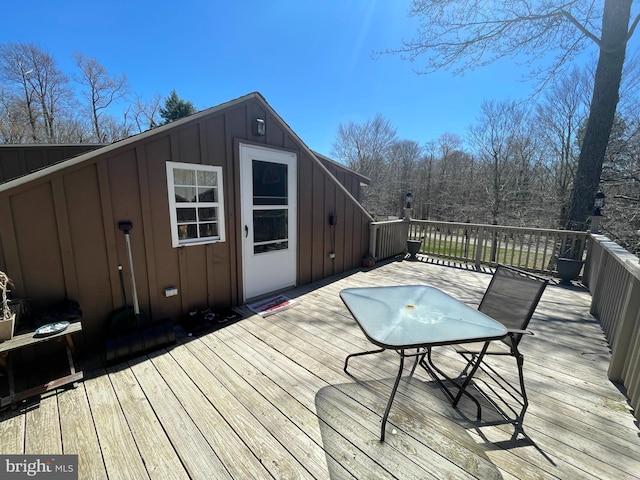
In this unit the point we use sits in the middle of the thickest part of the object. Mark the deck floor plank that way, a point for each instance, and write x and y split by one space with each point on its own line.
42 429
268 398
308 352
195 453
234 428
158 454
234 388
78 431
293 414
12 433
119 450
304 385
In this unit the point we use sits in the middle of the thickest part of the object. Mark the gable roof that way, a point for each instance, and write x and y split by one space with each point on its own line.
88 156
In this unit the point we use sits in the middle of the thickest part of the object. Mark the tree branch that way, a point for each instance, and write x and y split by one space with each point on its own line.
626 197
581 27
633 26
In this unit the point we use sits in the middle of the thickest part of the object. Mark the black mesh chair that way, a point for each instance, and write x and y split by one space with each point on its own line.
511 298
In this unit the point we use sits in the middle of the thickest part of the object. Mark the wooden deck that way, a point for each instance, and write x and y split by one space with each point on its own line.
267 398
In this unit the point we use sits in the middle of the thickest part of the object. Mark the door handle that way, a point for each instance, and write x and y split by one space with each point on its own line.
246 231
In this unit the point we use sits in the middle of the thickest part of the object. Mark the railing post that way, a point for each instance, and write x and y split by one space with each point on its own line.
479 245
373 232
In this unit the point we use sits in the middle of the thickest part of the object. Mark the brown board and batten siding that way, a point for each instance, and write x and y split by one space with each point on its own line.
60 237
19 160
351 180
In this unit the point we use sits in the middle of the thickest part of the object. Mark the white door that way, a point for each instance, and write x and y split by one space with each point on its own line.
268 190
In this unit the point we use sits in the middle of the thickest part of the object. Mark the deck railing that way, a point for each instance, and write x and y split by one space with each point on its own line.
611 273
388 239
534 249
613 278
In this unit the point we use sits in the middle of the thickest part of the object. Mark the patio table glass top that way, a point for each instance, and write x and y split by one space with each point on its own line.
411 316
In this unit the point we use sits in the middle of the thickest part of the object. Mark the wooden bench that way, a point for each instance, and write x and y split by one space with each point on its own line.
30 339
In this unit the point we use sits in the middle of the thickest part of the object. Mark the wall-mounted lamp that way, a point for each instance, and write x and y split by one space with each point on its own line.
408 200
598 203
260 127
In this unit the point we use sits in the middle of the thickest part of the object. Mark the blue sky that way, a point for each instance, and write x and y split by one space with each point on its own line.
311 59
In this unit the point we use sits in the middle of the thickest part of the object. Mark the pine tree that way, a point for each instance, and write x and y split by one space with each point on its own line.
175 108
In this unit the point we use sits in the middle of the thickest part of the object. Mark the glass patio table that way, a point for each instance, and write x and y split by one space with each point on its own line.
417 317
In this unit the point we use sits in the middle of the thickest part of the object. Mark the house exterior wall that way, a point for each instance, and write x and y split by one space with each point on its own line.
60 236
351 180
19 160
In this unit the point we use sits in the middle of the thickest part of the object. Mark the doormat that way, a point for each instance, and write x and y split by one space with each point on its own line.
271 305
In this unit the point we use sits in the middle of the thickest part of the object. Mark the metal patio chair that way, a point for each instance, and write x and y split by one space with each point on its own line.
511 298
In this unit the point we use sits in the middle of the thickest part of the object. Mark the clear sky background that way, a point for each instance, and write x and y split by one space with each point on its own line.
311 59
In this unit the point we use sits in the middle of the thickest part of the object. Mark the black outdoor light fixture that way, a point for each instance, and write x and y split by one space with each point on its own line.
598 203
408 198
260 127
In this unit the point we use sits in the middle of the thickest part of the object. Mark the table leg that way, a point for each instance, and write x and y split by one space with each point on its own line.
70 350
346 361
470 376
393 394
431 368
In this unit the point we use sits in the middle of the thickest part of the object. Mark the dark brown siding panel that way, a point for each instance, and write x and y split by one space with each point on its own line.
126 205
317 215
158 232
109 228
196 264
214 131
305 222
64 237
329 206
19 160
86 230
38 247
340 261
348 234
147 226
11 256
35 160
189 145
12 164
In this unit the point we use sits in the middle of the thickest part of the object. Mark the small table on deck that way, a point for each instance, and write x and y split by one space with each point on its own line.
30 339
418 317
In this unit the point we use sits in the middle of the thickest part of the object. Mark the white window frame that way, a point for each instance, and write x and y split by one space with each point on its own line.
173 205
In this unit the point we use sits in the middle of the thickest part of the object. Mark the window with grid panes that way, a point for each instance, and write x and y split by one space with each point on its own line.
196 206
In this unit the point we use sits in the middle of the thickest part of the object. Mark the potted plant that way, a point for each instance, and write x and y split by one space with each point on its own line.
413 247
7 318
568 267
368 261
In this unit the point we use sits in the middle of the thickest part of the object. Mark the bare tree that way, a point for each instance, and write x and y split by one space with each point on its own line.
502 142
464 34
423 191
403 158
14 126
559 116
364 148
101 91
145 114
33 75
14 70
450 185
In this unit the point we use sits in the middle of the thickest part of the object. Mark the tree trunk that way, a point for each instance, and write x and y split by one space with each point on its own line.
615 27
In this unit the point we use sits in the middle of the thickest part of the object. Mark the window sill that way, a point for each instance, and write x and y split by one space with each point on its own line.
198 242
